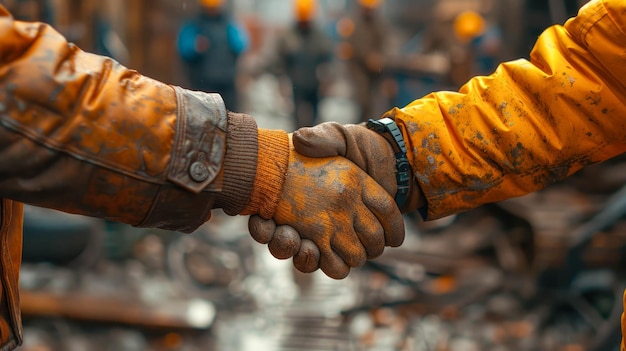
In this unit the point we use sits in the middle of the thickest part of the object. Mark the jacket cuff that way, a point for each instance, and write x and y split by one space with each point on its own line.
198 151
273 159
240 164
197 160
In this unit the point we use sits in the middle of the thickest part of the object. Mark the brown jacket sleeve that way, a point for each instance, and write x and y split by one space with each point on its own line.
83 134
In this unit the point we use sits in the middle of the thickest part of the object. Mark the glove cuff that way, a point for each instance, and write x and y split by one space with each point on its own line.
273 160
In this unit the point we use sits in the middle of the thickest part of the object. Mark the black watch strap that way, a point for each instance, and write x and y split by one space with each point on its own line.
388 128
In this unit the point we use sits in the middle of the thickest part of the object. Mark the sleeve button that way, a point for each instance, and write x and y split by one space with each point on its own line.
198 171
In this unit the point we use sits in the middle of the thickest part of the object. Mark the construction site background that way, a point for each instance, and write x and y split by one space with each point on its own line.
540 272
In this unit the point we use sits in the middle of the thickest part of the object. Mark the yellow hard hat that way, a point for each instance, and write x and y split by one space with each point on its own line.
305 9
370 3
211 3
468 25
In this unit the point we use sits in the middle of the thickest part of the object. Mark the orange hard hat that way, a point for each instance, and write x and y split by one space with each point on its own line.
211 3
305 9
370 3
469 25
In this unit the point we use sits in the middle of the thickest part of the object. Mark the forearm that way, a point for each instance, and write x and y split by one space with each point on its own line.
82 134
527 125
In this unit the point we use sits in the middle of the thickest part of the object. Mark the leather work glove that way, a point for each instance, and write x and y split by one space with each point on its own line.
367 149
336 206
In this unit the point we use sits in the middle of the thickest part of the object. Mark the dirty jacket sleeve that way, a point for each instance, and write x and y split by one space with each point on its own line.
530 123
83 134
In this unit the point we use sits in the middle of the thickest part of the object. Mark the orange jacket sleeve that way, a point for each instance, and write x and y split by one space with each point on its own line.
530 123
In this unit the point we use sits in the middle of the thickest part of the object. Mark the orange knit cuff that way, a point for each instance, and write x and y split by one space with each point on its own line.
272 162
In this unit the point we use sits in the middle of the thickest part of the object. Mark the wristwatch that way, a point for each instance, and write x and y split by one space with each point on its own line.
388 128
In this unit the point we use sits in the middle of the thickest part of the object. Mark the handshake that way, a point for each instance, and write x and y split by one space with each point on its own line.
337 208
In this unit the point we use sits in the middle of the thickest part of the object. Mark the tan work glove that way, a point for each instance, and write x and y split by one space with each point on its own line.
336 206
367 149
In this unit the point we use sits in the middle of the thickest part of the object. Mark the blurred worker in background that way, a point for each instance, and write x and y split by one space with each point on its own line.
366 53
304 54
480 40
463 33
467 26
210 45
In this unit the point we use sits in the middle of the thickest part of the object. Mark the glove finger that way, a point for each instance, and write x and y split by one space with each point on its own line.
260 229
371 234
385 209
285 243
307 260
347 245
332 265
323 140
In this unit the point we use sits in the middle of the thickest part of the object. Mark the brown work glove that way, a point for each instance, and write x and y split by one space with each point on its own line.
367 149
336 206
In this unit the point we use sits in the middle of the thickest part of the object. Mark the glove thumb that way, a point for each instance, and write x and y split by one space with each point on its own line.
324 140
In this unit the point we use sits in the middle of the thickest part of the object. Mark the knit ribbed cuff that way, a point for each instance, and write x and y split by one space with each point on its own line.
273 159
240 164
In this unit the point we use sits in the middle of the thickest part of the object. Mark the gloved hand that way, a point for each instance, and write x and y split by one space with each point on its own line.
336 206
367 149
